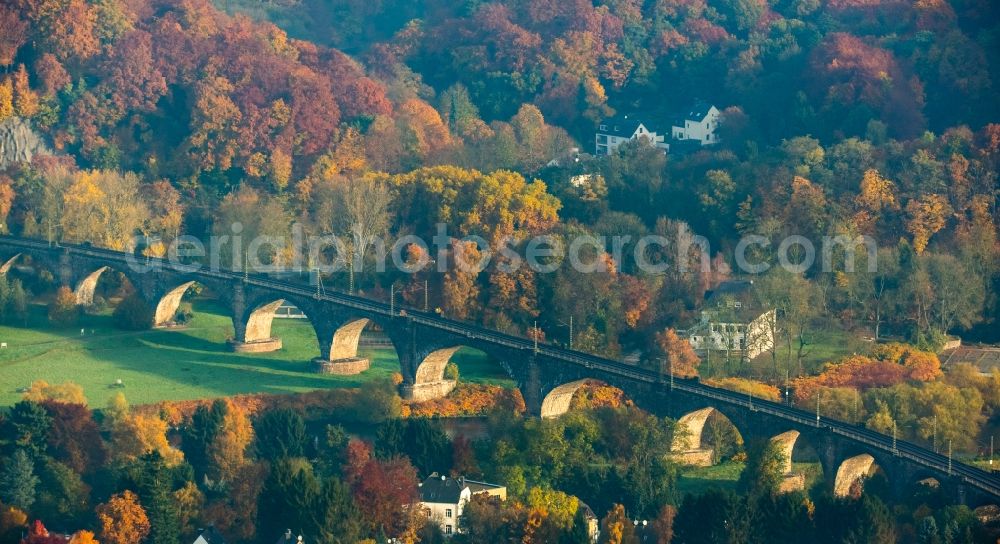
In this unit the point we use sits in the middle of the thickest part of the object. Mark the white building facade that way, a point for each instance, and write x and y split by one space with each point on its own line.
443 499
613 132
700 124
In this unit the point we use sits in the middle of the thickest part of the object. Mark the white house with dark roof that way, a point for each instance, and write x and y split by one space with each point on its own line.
695 126
615 131
443 499
699 123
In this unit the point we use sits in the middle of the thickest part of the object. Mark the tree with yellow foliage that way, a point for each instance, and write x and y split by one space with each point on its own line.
227 452
6 99
123 520
876 197
136 434
926 216
616 528
67 392
103 207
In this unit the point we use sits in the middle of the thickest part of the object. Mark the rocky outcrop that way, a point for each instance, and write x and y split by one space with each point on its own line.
19 142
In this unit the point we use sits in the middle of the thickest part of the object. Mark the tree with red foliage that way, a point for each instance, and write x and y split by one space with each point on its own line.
850 72
51 73
38 534
15 33
74 438
382 490
133 81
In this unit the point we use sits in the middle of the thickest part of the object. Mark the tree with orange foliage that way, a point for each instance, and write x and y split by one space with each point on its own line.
25 99
424 135
11 519
83 537
7 196
679 357
459 287
599 395
138 434
122 519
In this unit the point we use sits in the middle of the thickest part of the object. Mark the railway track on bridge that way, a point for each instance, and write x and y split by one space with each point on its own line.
970 475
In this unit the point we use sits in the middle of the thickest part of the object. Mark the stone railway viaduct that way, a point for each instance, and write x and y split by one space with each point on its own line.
547 376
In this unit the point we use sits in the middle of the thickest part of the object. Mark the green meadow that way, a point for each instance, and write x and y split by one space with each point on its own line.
183 364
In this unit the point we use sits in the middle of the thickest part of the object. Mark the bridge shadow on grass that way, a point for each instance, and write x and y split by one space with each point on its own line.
158 371
697 480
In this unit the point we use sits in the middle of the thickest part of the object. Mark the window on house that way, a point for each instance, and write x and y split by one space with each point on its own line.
447 529
739 304
447 513
604 127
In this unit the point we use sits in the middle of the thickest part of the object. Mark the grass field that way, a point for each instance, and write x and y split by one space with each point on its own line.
825 345
189 363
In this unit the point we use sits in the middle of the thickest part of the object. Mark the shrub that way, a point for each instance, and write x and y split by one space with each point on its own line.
63 310
451 371
133 314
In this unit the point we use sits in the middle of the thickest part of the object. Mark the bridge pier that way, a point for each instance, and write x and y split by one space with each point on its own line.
342 367
263 345
420 392
791 481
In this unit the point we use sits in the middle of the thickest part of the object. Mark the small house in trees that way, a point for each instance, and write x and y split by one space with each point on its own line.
695 126
443 498
613 132
699 123
733 321
209 536
288 537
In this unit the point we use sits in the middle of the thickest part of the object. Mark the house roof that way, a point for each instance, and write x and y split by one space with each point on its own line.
698 110
733 301
209 536
624 126
441 489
